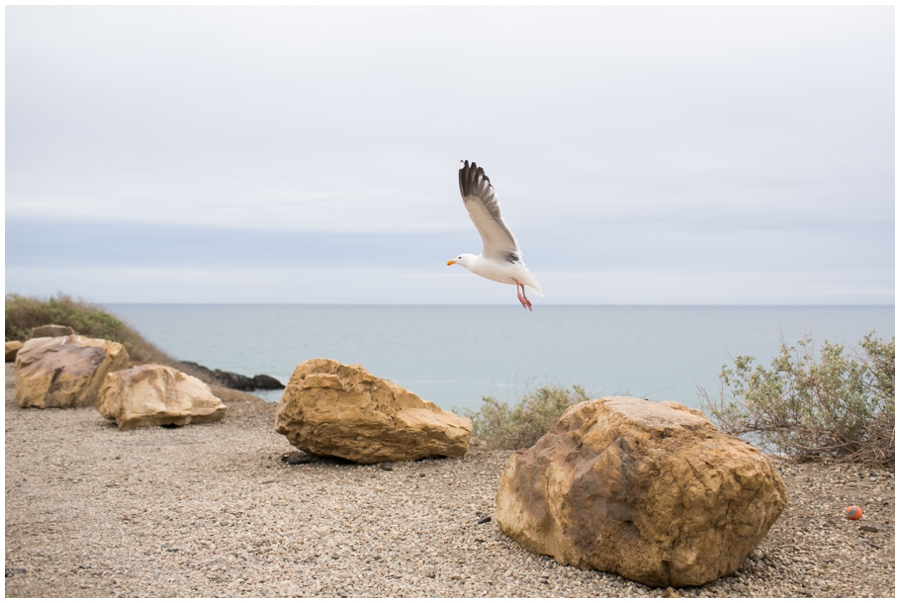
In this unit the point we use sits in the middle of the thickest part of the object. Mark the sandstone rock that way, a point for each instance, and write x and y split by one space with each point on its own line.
332 409
12 348
652 491
65 372
151 394
52 331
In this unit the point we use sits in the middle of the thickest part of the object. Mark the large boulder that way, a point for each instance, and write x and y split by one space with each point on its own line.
332 409
52 331
12 348
649 490
65 372
157 395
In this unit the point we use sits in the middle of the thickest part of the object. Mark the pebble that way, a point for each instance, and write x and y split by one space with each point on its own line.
218 510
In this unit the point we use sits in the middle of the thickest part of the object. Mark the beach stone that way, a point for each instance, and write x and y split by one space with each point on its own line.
12 348
152 394
52 331
652 491
333 409
65 372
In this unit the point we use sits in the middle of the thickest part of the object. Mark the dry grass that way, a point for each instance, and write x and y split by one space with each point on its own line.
24 313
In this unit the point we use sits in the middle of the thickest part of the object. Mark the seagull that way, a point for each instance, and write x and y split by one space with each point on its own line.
500 259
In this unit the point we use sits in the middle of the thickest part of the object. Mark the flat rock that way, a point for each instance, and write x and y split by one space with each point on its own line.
332 409
65 372
652 491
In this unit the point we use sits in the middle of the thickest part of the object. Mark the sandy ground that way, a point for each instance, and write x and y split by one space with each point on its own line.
215 510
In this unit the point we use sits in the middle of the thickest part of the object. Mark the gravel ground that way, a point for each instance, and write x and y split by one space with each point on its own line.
215 510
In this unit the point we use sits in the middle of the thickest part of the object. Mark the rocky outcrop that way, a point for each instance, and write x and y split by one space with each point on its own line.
266 382
52 331
157 395
332 409
246 384
12 348
65 372
235 380
649 490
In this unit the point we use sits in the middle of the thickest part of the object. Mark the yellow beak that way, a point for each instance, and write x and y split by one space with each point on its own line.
451 262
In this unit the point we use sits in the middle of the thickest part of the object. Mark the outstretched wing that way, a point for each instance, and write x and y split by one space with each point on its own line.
483 205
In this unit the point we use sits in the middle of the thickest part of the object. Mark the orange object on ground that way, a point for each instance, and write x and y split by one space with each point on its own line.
853 512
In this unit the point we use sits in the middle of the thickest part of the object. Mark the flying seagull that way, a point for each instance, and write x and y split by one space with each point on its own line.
500 259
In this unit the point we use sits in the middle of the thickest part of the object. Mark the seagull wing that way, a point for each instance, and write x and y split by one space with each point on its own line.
483 205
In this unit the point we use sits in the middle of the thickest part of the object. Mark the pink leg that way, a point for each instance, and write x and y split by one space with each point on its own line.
522 299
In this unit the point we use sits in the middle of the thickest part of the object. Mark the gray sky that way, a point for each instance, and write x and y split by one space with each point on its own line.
652 155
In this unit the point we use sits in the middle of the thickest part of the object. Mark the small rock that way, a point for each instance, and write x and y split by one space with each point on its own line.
868 529
12 348
386 466
296 458
671 594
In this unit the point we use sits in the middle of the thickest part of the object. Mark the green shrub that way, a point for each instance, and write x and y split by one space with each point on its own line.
809 406
25 313
501 427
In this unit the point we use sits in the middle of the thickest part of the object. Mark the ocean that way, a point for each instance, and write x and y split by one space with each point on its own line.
454 355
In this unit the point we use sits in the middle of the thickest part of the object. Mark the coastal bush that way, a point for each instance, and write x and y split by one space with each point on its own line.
24 313
810 405
505 428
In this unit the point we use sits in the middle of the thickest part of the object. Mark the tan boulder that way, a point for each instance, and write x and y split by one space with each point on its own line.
52 331
65 372
12 348
333 409
652 491
152 394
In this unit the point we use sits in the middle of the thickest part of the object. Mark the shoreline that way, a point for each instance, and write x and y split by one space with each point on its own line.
213 510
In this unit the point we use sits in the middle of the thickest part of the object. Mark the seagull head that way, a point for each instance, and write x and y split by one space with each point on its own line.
462 259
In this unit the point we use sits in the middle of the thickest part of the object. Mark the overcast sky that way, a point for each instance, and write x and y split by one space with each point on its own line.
651 155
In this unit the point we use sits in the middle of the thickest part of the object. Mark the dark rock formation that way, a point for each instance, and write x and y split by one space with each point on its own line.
234 380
